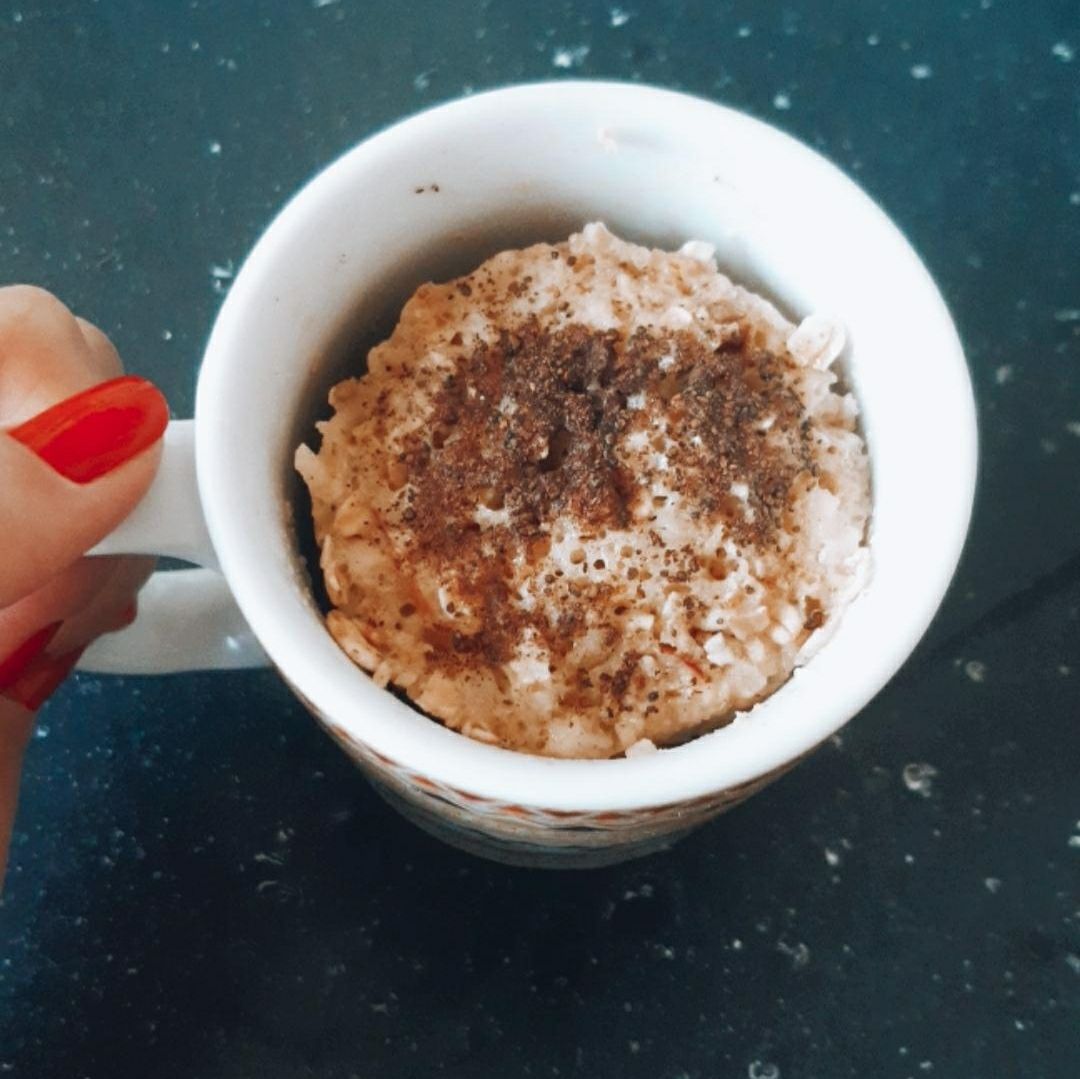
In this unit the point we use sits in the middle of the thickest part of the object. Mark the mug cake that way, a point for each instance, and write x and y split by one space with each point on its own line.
590 499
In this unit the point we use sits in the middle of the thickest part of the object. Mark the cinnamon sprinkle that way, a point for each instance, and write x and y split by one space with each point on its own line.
533 423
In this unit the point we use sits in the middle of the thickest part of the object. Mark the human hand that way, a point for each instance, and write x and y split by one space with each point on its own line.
78 448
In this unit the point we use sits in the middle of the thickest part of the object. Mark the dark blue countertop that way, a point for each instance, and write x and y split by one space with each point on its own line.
202 885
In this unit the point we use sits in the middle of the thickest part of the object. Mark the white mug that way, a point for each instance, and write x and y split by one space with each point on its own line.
429 199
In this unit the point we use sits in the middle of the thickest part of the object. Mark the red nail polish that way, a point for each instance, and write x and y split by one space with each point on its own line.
41 679
127 615
87 435
14 665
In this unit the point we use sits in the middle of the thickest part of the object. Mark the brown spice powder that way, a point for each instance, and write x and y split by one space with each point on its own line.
533 425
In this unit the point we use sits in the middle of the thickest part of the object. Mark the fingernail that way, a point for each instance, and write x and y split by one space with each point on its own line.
87 435
127 616
15 664
40 680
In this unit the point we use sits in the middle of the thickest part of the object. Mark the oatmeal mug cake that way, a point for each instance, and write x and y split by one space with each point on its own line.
590 499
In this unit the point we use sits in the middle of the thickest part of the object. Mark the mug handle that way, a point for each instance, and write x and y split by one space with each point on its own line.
188 619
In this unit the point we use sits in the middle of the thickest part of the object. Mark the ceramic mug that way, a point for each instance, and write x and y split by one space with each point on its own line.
428 199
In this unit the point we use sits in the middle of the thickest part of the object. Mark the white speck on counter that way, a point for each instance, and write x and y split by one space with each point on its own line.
919 778
1049 446
322 3
1074 198
873 39
1064 670
1073 427
799 953
744 31
909 859
633 1046
926 1065
1067 314
1063 51
781 101
215 148
1003 374
1074 962
832 857
921 71
617 17
759 1070
736 945
993 885
166 335
422 81
220 276
570 56
975 670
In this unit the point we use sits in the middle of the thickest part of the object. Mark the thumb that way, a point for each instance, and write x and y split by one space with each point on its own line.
71 474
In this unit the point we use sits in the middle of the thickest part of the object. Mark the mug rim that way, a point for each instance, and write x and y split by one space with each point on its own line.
343 696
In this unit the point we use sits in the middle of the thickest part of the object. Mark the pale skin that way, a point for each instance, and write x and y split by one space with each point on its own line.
47 522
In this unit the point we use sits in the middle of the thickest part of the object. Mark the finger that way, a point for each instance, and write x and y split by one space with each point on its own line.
75 601
41 679
40 665
59 430
112 607
43 354
47 632
104 360
57 520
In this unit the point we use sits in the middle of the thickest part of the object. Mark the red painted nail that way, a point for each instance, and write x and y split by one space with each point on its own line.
41 679
127 615
14 665
95 431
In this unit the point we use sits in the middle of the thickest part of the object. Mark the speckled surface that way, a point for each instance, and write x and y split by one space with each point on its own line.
202 886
